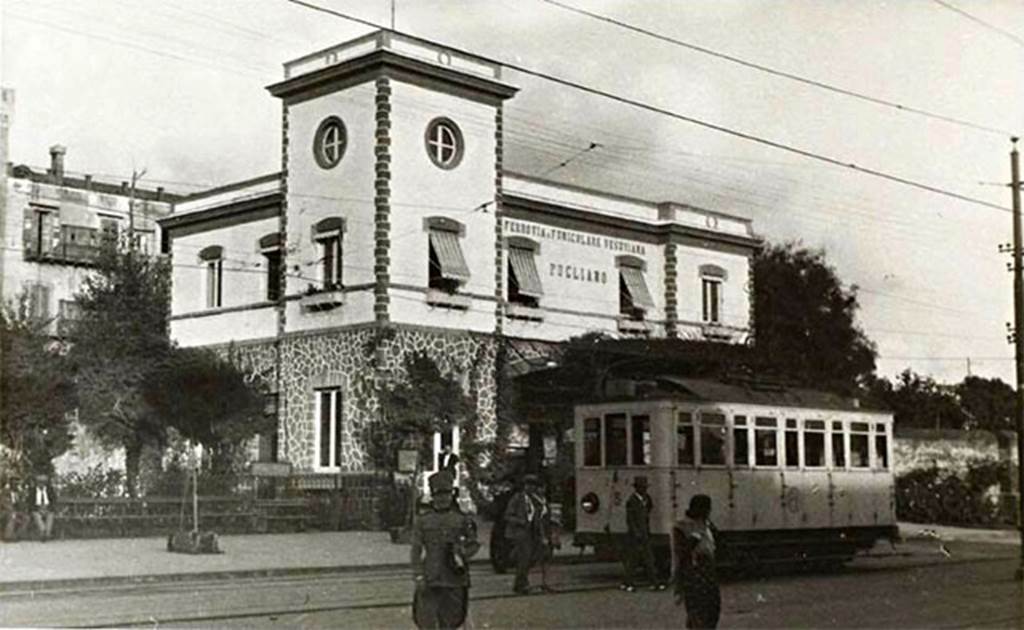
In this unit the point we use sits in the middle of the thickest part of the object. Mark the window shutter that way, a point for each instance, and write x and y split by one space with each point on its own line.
31 225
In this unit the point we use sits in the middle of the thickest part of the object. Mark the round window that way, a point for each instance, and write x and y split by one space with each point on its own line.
329 142
444 143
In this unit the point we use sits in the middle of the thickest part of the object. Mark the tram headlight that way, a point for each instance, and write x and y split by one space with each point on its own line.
590 503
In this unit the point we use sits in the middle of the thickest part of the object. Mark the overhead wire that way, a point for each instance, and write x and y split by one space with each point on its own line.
750 137
781 73
1017 39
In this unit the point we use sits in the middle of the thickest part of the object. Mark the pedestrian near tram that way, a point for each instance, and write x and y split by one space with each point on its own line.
693 539
443 541
526 523
638 537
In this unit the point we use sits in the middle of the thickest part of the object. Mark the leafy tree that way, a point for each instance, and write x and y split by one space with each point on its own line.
918 401
414 408
206 399
36 392
990 403
805 321
119 340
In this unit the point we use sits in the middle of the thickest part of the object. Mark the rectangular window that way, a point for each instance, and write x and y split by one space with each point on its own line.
330 429
740 446
882 450
523 280
712 439
273 274
712 292
615 439
792 444
634 297
214 283
39 302
684 439
860 457
110 231
68 313
330 261
838 446
592 442
641 440
814 443
766 442
447 269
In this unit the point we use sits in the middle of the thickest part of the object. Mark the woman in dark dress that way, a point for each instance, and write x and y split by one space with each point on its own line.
693 539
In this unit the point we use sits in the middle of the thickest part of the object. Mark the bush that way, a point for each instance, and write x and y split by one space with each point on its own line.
934 495
95 483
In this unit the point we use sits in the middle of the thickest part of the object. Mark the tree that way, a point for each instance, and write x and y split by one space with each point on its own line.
119 340
207 400
990 403
918 401
36 391
805 321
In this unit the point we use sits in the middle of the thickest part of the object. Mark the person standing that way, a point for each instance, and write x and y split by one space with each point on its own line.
693 539
638 537
526 526
443 541
43 498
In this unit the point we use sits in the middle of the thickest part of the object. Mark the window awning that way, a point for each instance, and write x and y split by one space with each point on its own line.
637 287
525 268
449 255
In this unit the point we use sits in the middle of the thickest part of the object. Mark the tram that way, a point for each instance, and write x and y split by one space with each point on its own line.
793 474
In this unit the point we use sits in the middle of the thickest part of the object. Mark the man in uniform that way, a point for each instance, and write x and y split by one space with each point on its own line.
526 522
443 541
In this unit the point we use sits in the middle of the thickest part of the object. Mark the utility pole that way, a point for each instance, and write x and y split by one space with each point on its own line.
392 14
1018 342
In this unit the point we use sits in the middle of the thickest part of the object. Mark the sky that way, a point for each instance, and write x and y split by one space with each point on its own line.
178 87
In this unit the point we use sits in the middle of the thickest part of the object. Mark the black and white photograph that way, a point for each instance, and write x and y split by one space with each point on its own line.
495 314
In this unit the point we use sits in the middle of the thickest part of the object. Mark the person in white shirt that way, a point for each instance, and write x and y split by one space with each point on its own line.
43 498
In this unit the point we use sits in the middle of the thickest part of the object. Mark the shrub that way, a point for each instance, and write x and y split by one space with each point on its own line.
945 497
95 483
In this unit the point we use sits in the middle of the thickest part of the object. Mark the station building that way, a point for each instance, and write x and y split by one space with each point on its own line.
393 228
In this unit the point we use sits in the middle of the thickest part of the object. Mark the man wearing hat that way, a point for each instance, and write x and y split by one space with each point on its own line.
526 522
696 581
638 537
443 541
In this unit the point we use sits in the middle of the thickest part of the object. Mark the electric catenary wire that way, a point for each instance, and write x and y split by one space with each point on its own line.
781 73
992 27
676 115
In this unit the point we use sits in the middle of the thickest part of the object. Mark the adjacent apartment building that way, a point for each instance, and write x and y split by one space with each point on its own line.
393 228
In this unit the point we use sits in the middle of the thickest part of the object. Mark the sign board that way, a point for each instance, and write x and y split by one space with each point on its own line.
270 469
407 461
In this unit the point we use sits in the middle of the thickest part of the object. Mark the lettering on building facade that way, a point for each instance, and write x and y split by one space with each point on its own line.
571 236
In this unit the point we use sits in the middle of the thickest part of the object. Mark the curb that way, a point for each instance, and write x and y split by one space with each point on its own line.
85 583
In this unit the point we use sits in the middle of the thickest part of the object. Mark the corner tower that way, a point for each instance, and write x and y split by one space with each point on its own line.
391 158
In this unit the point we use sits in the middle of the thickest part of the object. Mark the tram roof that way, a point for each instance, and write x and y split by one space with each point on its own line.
749 392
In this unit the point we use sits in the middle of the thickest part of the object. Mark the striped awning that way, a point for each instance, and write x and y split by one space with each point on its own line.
637 287
449 255
525 268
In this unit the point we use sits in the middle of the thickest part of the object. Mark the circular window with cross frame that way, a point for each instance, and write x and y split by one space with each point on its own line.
329 142
444 143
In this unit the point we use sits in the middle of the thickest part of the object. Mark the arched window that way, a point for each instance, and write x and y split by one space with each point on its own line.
329 142
444 143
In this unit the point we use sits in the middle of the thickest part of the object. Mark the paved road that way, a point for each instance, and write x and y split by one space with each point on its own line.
918 587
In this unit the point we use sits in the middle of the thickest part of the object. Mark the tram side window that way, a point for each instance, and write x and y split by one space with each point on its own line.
859 455
592 442
766 442
792 444
712 439
684 439
814 443
838 446
882 446
641 440
615 439
740 447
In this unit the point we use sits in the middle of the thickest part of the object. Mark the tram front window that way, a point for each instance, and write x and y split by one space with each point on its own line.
766 442
684 439
740 447
792 444
882 447
838 446
859 455
615 439
712 439
641 440
592 442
